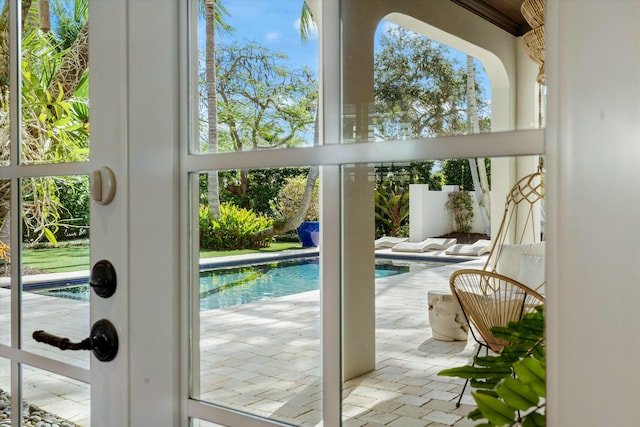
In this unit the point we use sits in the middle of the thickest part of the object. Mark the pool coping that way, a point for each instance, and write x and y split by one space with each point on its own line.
38 281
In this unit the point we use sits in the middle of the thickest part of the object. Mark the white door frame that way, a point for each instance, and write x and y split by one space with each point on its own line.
150 90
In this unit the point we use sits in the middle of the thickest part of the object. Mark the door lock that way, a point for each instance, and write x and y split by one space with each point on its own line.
102 341
103 278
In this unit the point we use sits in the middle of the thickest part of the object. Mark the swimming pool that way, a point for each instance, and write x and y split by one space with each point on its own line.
240 285
234 285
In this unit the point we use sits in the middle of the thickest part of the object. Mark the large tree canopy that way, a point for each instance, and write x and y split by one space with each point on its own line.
419 90
263 103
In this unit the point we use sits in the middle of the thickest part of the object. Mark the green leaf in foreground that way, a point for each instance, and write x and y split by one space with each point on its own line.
517 394
534 419
496 411
510 387
532 372
474 372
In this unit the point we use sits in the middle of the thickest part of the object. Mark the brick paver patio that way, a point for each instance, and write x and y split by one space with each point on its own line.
264 358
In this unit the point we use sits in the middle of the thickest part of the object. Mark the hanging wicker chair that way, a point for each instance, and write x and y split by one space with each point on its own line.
533 40
488 298
522 200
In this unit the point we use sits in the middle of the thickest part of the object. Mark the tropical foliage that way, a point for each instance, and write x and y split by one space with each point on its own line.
458 172
392 209
262 102
411 173
233 229
264 185
54 107
419 90
510 387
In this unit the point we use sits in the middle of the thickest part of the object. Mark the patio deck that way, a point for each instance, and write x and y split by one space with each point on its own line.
265 357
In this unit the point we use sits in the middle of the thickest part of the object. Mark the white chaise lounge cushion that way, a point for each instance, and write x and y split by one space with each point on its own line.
431 244
478 248
389 242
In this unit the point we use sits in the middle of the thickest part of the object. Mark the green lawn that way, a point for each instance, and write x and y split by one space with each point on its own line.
275 247
57 260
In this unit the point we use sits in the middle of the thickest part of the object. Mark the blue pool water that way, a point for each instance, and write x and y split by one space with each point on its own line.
241 285
229 286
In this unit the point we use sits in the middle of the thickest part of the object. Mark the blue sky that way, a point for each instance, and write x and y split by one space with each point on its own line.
275 24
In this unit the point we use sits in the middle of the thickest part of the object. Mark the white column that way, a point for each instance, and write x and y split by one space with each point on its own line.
359 327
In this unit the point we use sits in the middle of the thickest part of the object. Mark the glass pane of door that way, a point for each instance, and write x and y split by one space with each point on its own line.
259 71
256 302
401 324
54 399
55 263
44 223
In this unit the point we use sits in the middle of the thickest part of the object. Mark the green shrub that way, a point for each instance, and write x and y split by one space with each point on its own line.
289 198
458 172
264 185
461 205
234 229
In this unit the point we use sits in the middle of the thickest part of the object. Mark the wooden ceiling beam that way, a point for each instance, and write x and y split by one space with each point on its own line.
502 13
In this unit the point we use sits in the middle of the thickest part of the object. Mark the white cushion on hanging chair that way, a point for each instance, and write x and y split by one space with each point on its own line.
532 271
511 257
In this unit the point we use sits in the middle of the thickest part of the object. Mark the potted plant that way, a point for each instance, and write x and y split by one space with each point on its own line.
309 230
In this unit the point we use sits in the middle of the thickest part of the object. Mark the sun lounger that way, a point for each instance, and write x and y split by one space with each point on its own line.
478 248
389 242
430 244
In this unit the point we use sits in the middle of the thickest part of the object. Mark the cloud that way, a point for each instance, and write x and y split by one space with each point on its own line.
272 37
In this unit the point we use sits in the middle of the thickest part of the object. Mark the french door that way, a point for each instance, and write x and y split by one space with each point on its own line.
130 120
175 364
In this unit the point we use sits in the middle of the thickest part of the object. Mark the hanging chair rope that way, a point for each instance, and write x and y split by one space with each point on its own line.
520 201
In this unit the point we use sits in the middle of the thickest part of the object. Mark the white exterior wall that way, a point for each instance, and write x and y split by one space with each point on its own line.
593 279
428 216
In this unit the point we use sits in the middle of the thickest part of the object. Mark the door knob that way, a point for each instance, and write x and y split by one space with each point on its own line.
103 278
102 341
102 185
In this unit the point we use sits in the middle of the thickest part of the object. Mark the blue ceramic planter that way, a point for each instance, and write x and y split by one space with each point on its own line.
309 233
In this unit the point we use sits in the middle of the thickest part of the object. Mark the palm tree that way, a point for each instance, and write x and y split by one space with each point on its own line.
214 12
477 166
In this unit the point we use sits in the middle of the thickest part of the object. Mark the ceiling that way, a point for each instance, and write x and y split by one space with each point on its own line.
502 13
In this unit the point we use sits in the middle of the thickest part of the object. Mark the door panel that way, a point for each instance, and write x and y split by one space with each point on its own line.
45 134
